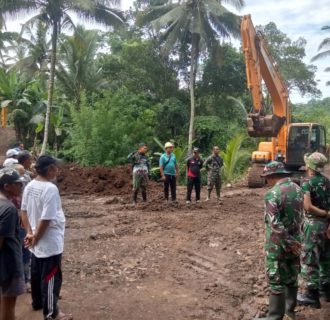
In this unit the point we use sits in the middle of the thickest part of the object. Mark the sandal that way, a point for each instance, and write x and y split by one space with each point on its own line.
64 316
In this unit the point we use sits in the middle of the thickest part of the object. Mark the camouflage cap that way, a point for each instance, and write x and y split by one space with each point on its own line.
315 161
274 167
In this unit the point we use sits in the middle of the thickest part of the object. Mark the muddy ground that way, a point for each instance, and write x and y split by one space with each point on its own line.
162 262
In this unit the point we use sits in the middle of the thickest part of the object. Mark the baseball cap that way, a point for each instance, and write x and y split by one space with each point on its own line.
196 149
45 161
274 167
11 153
9 176
168 145
316 161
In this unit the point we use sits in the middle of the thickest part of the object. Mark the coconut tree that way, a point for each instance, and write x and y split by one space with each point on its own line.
324 47
200 24
56 14
77 71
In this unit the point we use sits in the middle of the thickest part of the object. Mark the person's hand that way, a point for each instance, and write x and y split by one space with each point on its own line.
28 241
295 248
328 232
163 177
176 174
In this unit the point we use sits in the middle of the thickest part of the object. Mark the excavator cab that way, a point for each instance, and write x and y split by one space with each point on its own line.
304 138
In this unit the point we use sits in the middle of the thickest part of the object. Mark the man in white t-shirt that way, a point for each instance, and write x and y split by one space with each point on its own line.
44 220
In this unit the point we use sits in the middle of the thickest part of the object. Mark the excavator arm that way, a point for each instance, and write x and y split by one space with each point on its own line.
261 66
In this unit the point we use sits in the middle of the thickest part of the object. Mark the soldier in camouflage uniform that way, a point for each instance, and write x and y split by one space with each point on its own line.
213 165
283 219
316 244
141 169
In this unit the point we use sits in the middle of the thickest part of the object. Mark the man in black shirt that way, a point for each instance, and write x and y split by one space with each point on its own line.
11 264
194 166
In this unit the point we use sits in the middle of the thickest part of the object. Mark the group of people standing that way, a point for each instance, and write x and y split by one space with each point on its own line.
169 171
32 225
297 237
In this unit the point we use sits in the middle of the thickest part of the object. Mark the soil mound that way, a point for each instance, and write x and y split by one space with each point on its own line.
7 136
74 179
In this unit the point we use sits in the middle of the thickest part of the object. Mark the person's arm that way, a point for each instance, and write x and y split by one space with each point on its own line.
207 163
7 224
161 167
310 208
201 163
176 170
25 222
41 229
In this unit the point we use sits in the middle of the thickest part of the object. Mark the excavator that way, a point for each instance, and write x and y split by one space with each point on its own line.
286 141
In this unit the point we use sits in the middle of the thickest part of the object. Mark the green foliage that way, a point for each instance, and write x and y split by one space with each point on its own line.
289 56
235 158
107 131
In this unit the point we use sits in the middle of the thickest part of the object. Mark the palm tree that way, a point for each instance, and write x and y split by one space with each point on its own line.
55 13
325 46
78 71
198 23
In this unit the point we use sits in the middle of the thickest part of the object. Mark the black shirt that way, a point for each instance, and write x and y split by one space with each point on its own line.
194 166
11 263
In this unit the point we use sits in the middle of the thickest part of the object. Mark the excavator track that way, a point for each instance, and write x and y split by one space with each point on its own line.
254 178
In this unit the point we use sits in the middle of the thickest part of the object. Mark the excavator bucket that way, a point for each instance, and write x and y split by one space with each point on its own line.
264 126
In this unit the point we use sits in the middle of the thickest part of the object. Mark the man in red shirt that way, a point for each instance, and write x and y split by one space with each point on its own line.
194 165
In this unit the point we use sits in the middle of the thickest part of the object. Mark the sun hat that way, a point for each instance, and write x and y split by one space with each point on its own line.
315 161
168 145
274 167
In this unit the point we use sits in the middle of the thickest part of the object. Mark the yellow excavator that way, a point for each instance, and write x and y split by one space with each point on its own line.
287 141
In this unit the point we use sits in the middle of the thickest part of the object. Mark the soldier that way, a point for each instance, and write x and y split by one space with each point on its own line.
213 165
316 245
283 219
141 169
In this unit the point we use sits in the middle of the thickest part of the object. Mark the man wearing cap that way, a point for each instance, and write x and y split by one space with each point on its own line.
24 158
44 220
141 170
169 170
316 244
213 165
11 263
11 158
283 219
194 166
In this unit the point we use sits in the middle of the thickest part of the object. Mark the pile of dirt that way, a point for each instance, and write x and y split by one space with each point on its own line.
74 179
7 136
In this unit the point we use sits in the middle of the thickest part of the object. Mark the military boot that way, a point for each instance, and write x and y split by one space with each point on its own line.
276 309
325 291
290 302
311 298
134 197
144 196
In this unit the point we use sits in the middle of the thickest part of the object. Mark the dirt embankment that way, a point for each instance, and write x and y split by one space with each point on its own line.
7 136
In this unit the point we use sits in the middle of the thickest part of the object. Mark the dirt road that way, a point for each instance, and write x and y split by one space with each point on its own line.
163 262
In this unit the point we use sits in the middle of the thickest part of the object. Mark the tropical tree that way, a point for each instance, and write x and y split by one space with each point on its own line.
55 14
196 24
77 71
325 47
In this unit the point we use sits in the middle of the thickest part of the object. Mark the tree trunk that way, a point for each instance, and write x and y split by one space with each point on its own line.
50 86
193 69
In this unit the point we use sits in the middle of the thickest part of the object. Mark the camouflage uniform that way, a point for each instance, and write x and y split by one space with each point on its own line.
213 166
141 169
283 219
316 246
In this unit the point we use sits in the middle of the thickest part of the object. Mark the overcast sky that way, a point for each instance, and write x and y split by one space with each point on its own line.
296 18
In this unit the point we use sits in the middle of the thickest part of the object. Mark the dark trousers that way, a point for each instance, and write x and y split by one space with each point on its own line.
46 281
194 182
170 182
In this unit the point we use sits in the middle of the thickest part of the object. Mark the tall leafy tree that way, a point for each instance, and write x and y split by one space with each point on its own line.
77 71
55 13
289 55
324 47
198 24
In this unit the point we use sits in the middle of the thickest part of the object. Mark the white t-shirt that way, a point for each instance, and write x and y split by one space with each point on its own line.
42 201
